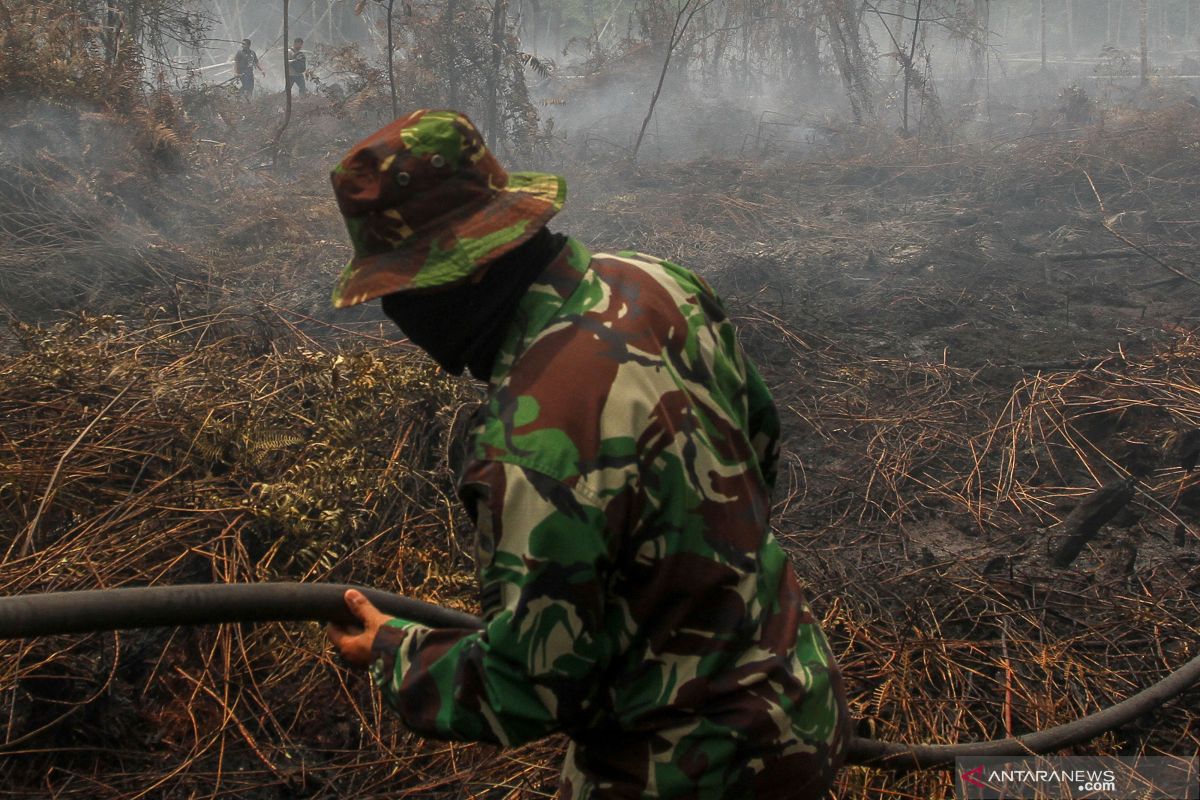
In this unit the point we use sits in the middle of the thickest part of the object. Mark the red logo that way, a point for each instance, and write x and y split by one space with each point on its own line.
969 777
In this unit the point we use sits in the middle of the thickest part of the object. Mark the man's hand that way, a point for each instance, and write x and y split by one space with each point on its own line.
354 643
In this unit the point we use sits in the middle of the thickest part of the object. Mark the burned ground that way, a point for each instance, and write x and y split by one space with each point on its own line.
965 342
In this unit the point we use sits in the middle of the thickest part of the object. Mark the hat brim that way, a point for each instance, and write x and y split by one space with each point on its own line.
457 247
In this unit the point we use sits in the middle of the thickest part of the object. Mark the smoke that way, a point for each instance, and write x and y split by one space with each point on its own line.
84 219
319 22
774 87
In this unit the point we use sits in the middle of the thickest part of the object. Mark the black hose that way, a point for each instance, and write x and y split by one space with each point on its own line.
900 756
204 604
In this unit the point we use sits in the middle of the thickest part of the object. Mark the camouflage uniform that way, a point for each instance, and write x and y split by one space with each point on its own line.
632 592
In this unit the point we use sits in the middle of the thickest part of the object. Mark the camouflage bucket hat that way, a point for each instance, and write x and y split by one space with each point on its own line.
427 204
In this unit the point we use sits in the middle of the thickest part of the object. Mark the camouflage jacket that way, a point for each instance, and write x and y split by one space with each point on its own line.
633 595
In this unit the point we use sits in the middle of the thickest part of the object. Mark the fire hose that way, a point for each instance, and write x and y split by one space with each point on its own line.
24 616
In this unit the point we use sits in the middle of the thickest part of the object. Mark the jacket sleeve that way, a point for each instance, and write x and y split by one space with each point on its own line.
764 425
536 667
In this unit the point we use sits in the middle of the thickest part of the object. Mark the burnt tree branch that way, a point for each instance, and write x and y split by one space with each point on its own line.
1086 519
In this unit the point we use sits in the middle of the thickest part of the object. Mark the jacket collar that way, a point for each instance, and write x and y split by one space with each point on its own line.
542 301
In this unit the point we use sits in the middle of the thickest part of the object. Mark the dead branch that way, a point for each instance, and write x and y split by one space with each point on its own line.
1086 519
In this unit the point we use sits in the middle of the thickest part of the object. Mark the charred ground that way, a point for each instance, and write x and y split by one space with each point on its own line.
965 340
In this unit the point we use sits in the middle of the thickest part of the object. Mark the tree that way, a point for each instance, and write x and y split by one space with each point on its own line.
457 55
1143 14
683 17
499 11
391 58
287 112
845 33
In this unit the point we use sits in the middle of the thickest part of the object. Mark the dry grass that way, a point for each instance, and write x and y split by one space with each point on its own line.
931 456
173 454
924 517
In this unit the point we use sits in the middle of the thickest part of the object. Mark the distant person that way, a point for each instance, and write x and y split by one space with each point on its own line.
245 61
297 64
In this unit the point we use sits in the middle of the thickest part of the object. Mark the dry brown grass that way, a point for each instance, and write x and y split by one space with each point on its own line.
173 454
922 494
169 454
924 518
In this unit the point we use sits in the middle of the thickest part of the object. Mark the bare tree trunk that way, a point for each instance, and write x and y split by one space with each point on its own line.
287 113
720 45
493 87
287 85
909 60
845 32
810 46
689 8
745 68
1160 39
987 60
1070 28
1143 13
1042 4
391 61
535 15
134 26
114 24
452 73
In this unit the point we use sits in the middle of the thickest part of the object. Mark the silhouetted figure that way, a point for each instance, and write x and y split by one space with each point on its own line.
245 61
297 64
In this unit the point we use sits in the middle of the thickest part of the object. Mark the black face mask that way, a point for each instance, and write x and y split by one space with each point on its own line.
462 326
